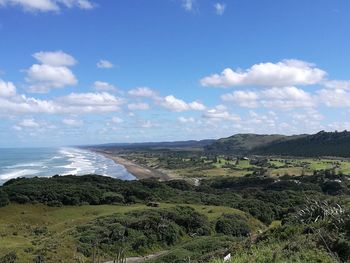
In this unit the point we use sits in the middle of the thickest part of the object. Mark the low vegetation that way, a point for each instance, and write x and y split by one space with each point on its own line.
93 218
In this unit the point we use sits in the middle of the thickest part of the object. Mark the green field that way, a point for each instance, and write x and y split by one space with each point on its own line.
196 165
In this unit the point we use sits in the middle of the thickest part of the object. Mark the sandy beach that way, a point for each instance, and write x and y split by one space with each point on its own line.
139 171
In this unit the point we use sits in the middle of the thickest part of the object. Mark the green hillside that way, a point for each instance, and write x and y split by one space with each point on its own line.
320 144
241 144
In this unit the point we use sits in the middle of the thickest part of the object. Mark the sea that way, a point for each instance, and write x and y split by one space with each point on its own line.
46 162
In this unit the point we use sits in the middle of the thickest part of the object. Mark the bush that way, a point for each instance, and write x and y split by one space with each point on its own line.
9 258
342 248
4 199
141 230
111 198
234 225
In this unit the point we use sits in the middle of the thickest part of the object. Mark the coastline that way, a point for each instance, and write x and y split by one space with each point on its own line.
139 171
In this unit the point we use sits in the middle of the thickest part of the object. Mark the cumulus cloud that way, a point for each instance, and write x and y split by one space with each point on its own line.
337 84
91 99
186 120
248 99
174 104
72 122
30 123
277 97
105 64
284 73
44 77
7 89
47 5
143 92
220 8
336 98
52 73
104 86
287 98
74 103
138 106
55 58
219 113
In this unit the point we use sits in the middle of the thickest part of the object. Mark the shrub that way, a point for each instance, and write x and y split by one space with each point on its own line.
111 198
9 258
342 248
4 199
234 225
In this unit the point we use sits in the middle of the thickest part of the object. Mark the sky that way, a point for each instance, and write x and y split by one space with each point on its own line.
78 72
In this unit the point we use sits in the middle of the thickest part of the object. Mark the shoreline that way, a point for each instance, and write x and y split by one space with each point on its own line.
139 171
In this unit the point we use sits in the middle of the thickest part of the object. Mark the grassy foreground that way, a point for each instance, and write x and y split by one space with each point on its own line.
31 229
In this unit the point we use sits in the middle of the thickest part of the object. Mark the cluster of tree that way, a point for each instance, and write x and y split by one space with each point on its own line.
141 231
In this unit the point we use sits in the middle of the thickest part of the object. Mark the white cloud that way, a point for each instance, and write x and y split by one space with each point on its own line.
44 77
174 104
196 106
22 104
91 99
337 84
104 86
287 98
219 113
117 120
105 64
146 124
284 73
186 120
7 89
138 106
47 5
242 98
308 117
83 4
281 98
143 92
188 5
220 8
30 123
337 98
55 58
72 122
74 103
53 73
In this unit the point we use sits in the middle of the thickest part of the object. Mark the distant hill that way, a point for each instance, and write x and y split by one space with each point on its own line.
319 144
159 145
246 143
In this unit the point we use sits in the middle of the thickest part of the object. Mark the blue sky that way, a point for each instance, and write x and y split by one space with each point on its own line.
88 71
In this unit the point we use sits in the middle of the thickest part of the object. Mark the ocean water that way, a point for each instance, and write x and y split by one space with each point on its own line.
46 162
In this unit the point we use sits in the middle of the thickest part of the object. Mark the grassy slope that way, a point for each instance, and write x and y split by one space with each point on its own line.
17 223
